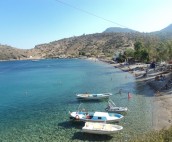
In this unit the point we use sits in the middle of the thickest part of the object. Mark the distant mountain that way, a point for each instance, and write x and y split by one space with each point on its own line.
118 30
167 29
164 34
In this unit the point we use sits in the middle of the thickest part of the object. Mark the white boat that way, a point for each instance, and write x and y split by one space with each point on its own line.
140 76
113 108
88 96
95 116
101 128
36 60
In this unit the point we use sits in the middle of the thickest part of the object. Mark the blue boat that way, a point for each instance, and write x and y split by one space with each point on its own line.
95 116
87 96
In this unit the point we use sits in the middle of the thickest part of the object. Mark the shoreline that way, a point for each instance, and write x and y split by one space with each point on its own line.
161 104
162 110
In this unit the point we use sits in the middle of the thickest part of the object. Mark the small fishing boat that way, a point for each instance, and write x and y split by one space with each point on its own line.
88 96
35 60
140 76
95 116
101 128
113 108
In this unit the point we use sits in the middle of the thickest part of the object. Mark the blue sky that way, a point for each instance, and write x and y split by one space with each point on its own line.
26 23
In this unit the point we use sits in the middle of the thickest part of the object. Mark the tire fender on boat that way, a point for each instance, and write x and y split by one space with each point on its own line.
77 117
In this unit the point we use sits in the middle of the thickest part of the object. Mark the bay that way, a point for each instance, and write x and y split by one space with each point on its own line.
37 96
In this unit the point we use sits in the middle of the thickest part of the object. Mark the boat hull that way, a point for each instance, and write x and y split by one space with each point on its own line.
101 128
100 121
113 108
95 116
98 132
117 110
93 96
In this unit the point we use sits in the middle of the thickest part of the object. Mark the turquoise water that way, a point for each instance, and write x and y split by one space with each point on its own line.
37 96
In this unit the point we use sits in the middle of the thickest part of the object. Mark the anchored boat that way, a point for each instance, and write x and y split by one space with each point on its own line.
101 128
113 108
88 96
95 116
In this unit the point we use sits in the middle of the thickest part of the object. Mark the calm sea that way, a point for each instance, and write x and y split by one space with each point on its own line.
35 98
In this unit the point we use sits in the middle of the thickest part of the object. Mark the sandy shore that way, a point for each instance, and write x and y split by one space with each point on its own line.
162 104
162 110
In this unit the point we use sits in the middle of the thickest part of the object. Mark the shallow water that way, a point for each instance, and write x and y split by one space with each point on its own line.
37 96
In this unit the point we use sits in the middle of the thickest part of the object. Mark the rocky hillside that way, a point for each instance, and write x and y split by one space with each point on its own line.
103 45
10 53
94 45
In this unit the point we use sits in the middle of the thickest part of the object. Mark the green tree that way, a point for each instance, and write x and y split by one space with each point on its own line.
144 55
138 46
169 49
120 58
129 53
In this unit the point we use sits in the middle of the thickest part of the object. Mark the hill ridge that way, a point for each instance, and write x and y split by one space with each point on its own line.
103 45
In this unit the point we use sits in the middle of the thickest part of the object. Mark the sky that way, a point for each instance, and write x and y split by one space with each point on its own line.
26 23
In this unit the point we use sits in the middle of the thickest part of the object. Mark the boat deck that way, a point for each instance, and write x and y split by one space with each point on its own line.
99 126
